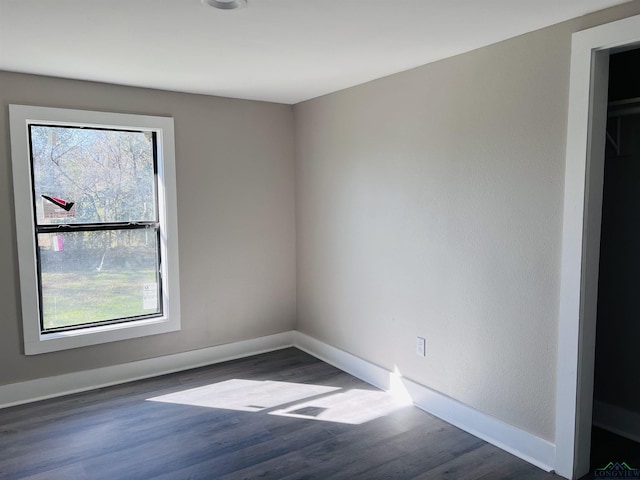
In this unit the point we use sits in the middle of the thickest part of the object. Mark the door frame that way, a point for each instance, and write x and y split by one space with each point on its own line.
584 175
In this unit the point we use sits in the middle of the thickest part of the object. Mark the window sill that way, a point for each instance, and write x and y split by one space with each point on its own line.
51 342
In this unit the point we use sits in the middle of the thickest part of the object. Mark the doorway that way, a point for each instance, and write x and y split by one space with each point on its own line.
616 397
584 174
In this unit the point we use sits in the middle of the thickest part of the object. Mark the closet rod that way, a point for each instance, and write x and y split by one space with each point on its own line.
628 106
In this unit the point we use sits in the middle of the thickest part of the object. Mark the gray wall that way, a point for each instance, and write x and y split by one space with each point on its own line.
430 203
235 184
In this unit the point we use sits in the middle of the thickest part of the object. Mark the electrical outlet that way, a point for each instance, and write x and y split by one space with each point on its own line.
421 347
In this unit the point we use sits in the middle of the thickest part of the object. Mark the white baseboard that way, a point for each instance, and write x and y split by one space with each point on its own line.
616 419
525 445
518 442
43 388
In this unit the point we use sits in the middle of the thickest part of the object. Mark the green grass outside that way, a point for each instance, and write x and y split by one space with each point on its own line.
76 298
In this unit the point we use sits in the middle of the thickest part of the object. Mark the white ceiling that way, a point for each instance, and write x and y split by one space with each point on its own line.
275 50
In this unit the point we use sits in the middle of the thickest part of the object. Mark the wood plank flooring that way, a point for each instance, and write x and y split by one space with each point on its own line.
280 415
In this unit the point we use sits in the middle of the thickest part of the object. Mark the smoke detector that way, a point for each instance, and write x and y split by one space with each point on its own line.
226 4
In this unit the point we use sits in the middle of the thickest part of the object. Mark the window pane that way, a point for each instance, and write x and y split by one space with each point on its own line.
98 276
84 175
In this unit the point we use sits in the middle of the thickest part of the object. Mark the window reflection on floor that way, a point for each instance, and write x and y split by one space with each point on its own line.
295 400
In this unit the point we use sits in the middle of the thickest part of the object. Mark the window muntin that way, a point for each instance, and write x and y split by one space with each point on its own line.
136 238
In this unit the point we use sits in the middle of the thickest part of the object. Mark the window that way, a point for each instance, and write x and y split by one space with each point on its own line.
96 226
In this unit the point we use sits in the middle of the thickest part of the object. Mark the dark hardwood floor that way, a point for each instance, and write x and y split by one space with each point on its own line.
280 415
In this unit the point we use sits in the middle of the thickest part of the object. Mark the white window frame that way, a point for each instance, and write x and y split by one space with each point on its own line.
35 341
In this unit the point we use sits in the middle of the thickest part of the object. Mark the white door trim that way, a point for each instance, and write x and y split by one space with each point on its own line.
581 238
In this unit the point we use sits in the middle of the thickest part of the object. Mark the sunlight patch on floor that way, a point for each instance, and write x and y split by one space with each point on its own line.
287 399
244 395
352 406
